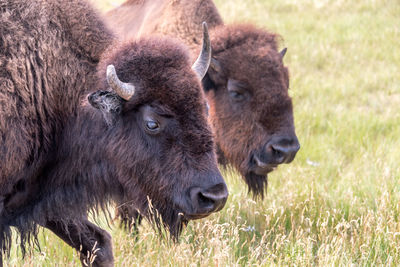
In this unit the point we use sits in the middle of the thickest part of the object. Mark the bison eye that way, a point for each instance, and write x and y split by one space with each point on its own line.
152 126
236 90
236 95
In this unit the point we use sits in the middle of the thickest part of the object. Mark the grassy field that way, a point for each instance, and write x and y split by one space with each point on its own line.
338 203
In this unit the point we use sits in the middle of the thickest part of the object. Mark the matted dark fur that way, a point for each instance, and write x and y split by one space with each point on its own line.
247 88
69 144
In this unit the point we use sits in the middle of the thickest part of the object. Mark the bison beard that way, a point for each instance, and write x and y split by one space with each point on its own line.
173 222
257 184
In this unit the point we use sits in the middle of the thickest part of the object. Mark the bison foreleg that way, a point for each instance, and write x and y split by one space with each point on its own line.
94 243
130 219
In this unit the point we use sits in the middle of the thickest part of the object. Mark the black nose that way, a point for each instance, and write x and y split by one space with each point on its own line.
208 200
277 151
282 149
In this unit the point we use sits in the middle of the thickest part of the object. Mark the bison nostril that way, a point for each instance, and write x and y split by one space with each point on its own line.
280 150
209 200
285 150
205 201
277 151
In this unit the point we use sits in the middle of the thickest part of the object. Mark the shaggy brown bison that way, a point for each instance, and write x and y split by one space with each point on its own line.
246 85
78 129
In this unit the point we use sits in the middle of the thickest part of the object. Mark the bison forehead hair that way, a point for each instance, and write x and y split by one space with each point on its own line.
256 51
250 55
160 68
228 36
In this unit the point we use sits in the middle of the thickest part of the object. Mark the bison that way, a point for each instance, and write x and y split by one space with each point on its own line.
246 86
86 119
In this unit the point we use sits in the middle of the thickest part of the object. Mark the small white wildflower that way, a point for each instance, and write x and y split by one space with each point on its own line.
248 229
312 163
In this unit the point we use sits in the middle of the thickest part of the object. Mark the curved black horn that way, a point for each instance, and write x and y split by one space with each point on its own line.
203 61
283 52
124 90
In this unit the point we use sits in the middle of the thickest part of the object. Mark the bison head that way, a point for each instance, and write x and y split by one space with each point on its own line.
251 111
159 142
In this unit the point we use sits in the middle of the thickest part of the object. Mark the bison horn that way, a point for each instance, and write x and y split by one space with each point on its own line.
283 52
200 67
124 90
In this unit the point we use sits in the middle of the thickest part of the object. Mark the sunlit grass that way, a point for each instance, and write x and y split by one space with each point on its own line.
338 202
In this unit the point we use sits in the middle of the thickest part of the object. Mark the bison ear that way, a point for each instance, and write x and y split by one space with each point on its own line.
283 52
106 101
109 103
212 74
215 65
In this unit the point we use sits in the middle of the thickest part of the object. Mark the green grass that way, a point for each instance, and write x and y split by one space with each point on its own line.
338 203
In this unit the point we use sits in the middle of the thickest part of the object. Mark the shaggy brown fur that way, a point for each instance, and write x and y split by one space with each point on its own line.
62 156
181 19
250 109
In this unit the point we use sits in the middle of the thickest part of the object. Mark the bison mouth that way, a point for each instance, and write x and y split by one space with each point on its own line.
173 221
196 203
191 217
263 171
195 217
